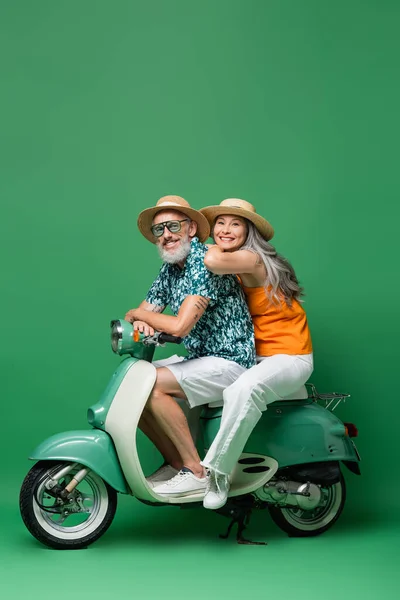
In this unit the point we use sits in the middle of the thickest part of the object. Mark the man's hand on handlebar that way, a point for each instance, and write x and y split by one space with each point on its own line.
130 315
143 327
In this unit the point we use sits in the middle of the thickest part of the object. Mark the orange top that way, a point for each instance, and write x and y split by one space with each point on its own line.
278 329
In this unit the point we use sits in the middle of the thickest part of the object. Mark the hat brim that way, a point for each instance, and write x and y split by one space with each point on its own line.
261 224
145 221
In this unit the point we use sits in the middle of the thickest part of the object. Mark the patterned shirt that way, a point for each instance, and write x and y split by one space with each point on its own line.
225 329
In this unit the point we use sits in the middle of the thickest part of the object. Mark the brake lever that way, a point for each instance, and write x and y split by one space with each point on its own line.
152 340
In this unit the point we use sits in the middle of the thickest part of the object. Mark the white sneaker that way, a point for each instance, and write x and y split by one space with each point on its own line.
185 483
163 474
217 491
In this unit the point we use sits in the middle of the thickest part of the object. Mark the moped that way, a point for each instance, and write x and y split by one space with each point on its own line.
291 463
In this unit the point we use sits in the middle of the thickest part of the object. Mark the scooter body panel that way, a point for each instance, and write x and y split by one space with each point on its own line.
122 422
97 413
292 432
92 448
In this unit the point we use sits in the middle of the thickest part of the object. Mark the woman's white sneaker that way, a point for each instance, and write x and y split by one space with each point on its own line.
163 474
185 483
217 491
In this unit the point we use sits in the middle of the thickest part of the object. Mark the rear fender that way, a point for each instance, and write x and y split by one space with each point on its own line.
94 449
297 433
292 432
353 466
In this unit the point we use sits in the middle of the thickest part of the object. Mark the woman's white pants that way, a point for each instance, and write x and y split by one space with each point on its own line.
279 377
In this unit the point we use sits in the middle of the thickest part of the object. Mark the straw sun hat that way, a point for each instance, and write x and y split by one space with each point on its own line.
175 203
239 208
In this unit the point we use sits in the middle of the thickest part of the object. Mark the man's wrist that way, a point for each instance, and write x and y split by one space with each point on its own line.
137 314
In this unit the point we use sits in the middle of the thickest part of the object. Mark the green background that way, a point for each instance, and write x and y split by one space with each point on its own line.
105 107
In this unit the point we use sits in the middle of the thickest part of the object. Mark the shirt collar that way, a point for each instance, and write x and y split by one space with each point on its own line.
194 245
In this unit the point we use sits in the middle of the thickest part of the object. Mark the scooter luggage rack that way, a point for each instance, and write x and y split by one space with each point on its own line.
331 401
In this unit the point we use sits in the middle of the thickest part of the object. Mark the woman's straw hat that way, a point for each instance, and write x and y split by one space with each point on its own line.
239 208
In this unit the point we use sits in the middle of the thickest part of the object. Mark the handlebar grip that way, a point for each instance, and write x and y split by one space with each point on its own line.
166 337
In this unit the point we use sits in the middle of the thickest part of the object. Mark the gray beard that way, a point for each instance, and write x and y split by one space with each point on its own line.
178 256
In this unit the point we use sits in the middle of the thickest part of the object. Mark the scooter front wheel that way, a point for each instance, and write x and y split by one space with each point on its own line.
297 522
71 524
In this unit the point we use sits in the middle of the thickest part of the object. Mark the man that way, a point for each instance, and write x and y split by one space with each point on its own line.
211 314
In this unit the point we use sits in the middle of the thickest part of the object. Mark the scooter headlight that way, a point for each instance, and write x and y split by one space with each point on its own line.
116 335
121 336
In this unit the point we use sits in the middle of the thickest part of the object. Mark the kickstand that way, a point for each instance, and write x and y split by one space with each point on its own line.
241 520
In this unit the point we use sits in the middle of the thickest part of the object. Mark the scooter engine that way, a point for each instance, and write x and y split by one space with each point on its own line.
306 496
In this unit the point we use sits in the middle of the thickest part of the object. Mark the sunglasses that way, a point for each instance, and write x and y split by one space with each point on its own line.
172 226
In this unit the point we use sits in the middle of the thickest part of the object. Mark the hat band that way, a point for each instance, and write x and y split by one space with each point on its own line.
239 207
171 204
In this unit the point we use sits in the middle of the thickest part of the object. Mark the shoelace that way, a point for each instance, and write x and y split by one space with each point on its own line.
215 482
177 478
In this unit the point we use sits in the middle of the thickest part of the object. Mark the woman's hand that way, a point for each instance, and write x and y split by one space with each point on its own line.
214 248
143 328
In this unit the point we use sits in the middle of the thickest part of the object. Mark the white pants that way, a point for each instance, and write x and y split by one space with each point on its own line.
279 377
192 416
203 380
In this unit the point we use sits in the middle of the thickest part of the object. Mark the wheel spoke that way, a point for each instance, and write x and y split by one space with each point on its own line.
89 498
53 505
83 508
62 518
91 507
324 497
318 517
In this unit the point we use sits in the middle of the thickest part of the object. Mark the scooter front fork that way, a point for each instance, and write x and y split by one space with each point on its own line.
55 489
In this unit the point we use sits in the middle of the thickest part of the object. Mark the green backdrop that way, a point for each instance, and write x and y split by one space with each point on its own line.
106 106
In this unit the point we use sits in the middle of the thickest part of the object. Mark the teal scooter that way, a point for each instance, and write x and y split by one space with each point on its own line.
291 463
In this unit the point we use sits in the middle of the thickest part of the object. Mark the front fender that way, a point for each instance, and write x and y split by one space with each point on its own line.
93 448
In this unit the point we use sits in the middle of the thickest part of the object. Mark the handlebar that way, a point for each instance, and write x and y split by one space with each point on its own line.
171 339
124 338
157 339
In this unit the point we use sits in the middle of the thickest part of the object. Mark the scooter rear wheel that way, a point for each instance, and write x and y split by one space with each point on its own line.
307 523
73 525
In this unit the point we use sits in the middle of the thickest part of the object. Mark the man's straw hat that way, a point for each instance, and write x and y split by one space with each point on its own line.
175 203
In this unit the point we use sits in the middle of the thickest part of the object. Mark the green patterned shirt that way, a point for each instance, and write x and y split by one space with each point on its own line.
225 329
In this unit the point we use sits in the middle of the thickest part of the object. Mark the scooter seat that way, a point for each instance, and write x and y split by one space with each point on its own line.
300 394
211 411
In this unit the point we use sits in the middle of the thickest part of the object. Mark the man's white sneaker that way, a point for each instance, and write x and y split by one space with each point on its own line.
162 475
185 483
217 491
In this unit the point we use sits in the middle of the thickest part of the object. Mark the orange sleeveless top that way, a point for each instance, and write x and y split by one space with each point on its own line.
278 329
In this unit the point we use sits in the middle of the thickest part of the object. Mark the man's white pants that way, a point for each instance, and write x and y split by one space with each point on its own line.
203 380
192 415
274 378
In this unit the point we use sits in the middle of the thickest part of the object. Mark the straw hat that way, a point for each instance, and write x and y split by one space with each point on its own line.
176 203
240 208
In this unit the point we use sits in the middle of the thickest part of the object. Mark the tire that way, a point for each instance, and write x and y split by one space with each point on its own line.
78 531
308 523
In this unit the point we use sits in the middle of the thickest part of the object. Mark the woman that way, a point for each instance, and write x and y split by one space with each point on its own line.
283 341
